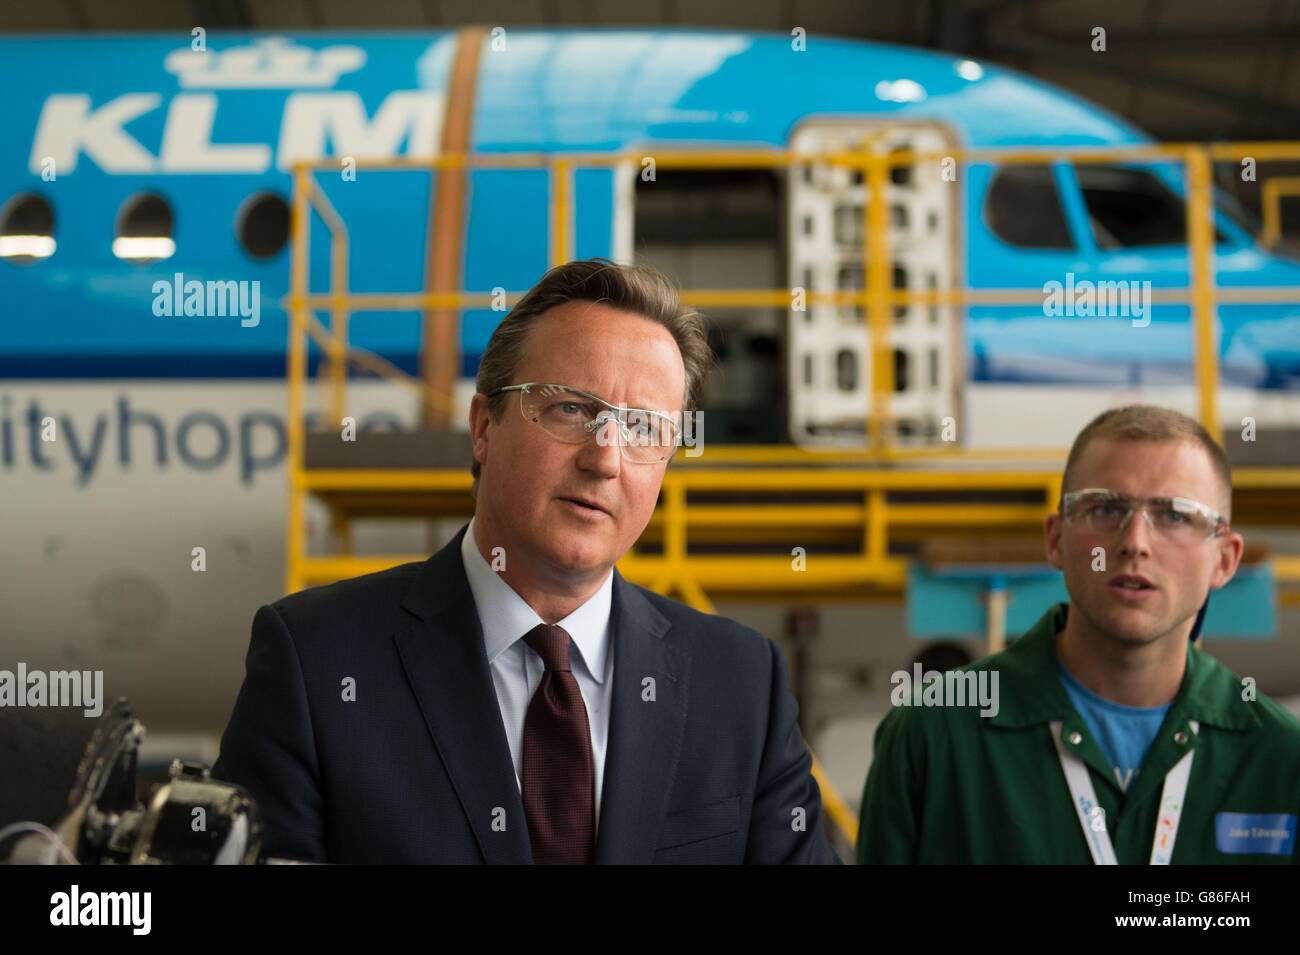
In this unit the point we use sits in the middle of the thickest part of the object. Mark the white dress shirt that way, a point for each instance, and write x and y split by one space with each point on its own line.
517 668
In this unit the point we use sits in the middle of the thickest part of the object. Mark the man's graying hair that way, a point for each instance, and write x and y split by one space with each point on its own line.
629 288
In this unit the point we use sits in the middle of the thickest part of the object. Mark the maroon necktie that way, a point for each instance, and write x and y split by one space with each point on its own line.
559 784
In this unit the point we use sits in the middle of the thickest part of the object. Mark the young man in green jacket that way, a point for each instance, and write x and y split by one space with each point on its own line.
1114 739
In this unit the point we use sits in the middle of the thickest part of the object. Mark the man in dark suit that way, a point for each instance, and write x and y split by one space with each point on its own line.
513 698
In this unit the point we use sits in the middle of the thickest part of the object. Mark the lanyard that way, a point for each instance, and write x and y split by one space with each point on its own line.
1084 798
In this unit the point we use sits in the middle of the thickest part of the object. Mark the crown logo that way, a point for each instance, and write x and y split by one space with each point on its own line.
268 63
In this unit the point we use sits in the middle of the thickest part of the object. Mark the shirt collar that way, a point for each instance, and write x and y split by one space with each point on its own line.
507 618
1031 690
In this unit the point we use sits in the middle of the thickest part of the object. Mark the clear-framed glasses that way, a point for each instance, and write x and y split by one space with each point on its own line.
572 415
1177 519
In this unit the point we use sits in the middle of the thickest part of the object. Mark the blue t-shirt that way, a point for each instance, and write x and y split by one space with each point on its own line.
1124 733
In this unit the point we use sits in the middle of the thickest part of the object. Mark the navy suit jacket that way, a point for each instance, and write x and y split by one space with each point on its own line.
705 761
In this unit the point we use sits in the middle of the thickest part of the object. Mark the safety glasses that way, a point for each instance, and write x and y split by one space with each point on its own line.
1177 519
572 415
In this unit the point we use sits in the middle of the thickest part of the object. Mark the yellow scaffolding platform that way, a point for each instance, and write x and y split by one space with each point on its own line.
730 527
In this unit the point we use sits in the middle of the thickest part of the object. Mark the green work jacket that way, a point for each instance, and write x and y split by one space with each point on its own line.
949 785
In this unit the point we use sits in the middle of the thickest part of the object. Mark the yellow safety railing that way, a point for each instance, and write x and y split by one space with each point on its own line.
875 519
1272 191
877 297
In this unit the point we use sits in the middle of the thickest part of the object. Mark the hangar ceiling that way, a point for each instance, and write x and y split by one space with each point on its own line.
1181 69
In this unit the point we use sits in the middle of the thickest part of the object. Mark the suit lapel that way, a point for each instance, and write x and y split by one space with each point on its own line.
442 651
644 735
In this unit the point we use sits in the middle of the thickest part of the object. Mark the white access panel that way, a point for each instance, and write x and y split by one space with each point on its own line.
828 356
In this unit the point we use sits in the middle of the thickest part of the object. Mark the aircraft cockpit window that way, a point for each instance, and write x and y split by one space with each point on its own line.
1023 208
144 229
263 225
26 229
1132 207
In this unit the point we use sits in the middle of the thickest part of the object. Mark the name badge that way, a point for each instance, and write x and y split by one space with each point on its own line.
1240 833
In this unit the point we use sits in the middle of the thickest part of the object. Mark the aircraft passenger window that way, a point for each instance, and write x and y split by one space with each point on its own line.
262 224
26 229
1023 208
144 229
